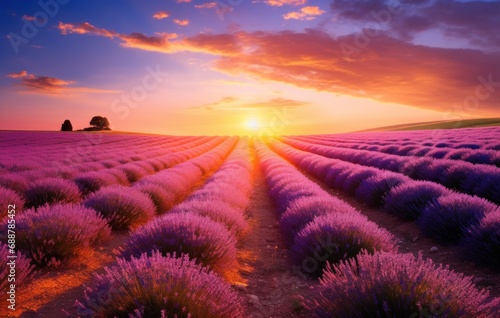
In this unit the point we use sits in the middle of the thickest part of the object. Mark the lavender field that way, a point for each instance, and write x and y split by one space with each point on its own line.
373 224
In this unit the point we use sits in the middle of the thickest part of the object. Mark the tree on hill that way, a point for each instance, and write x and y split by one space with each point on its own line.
100 123
66 126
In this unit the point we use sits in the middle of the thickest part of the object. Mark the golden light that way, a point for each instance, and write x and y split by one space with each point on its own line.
253 124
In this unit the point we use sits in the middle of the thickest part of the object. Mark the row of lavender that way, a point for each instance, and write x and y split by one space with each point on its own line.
93 159
479 180
471 138
182 258
358 261
464 152
42 150
50 190
446 216
58 233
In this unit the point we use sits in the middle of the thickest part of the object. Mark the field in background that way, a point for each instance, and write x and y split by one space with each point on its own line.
452 124
258 220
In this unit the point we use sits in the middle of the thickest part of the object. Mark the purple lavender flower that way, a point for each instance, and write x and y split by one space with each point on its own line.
51 190
204 240
122 207
335 237
53 234
159 286
398 285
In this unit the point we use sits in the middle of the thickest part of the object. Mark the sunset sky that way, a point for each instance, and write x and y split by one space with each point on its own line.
247 66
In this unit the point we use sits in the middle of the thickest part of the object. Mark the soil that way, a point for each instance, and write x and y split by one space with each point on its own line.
265 264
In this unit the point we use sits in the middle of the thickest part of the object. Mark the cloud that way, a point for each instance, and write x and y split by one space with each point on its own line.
206 5
27 17
18 74
181 22
275 103
306 13
161 15
52 85
161 42
474 21
279 3
224 102
85 28
388 69
231 103
184 1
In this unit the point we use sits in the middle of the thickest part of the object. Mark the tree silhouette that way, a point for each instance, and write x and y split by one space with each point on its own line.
100 122
66 126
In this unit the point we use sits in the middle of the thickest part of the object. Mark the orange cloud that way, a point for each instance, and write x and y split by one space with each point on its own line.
207 5
181 22
161 15
231 103
157 43
52 85
306 13
279 3
386 69
18 74
85 28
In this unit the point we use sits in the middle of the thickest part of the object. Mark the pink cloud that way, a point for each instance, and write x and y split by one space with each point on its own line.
279 3
161 15
207 5
52 85
161 42
181 22
18 74
306 13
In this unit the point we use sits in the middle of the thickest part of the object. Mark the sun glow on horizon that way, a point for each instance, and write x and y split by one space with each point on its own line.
253 124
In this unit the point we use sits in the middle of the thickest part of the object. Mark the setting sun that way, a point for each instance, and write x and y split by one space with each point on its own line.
252 124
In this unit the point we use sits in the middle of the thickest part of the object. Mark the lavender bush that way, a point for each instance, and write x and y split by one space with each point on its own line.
446 218
14 182
481 242
89 182
335 237
204 240
8 197
302 211
159 286
373 190
162 199
398 285
52 234
50 191
122 207
409 199
219 211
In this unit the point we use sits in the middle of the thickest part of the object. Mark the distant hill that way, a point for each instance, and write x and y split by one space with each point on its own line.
443 124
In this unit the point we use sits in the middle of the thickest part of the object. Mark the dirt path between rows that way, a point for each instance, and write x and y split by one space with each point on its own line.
273 287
